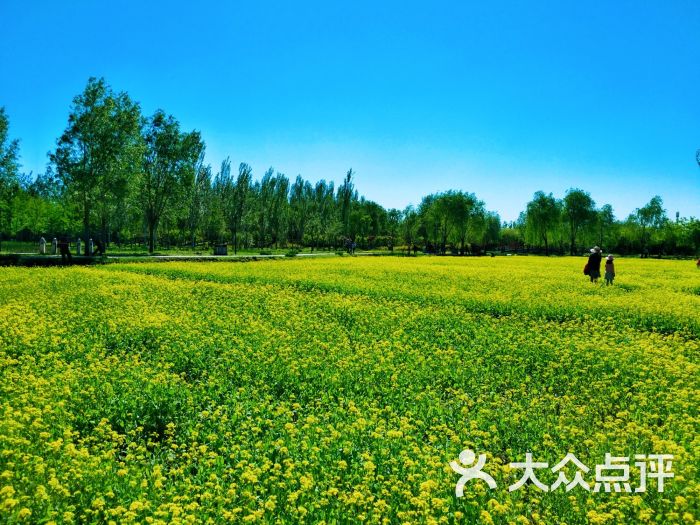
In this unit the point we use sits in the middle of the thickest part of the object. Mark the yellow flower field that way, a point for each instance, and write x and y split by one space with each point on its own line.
338 390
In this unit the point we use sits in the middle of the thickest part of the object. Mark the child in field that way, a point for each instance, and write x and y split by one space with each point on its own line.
609 270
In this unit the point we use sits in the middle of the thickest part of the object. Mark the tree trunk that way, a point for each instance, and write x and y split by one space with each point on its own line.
572 246
86 223
151 237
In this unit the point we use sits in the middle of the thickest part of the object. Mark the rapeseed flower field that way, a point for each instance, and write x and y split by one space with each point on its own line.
338 390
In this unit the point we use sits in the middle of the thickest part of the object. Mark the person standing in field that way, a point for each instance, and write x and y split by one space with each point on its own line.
609 270
594 264
100 248
64 248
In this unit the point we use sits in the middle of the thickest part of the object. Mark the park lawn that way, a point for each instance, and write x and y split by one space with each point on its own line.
339 389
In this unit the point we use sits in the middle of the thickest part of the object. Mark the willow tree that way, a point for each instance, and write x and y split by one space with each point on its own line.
464 211
542 216
579 210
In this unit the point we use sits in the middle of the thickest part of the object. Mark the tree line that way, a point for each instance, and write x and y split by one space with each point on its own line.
122 177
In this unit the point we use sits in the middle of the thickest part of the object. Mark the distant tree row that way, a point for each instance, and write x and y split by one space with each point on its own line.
123 177
568 225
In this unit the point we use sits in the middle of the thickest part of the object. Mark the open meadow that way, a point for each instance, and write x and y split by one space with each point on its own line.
339 390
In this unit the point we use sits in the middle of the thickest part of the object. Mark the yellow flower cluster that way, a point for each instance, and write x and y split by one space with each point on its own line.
337 390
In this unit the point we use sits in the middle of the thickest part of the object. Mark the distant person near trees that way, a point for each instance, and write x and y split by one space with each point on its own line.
64 248
593 265
100 248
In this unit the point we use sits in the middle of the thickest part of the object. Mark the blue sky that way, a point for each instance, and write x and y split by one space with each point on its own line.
498 98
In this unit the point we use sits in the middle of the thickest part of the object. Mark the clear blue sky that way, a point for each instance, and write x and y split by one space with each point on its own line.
499 98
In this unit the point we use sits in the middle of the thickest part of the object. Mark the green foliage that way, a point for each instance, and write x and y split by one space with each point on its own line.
9 152
9 172
543 216
579 211
99 154
170 168
134 180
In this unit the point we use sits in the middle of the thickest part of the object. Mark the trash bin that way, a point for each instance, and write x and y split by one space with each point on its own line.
221 249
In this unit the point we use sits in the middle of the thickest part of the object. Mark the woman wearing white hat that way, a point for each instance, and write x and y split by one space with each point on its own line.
594 264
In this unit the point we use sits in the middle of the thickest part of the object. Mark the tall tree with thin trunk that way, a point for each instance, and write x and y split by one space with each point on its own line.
650 216
169 166
345 197
9 171
99 153
279 212
234 197
441 211
241 200
606 218
197 201
409 227
300 203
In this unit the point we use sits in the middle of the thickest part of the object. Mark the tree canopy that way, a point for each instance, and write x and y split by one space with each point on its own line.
121 177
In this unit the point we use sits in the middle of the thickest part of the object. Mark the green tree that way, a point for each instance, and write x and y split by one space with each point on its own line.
279 214
300 203
198 201
429 223
271 196
393 223
234 197
605 220
651 216
345 198
463 210
409 227
99 153
579 210
323 222
9 172
492 229
542 216
169 167
241 200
